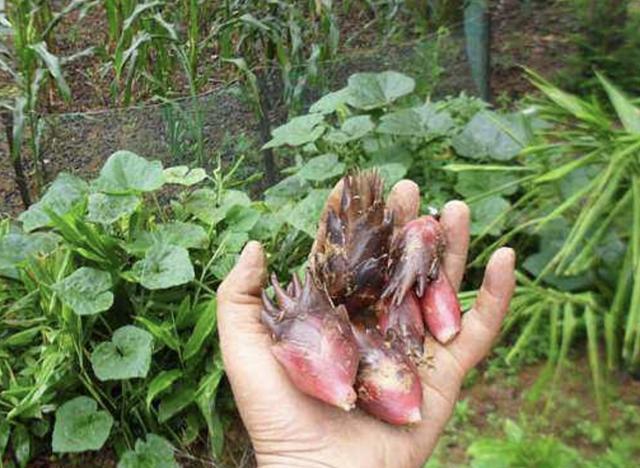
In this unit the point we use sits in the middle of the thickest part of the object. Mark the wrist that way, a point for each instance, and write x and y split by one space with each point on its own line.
288 461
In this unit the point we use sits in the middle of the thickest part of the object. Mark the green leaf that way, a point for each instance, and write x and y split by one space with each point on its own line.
425 120
21 444
203 204
297 132
53 65
393 162
86 291
351 129
234 241
204 327
373 90
5 432
80 426
187 235
163 332
485 211
155 452
182 175
292 187
305 214
16 247
65 193
160 383
489 135
164 266
126 172
107 209
174 402
241 218
206 401
126 356
391 172
331 102
321 168
628 113
472 183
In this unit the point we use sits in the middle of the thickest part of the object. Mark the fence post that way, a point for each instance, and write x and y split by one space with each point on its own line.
477 35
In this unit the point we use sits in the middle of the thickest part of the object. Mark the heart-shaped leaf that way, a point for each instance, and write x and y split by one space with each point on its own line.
298 131
351 129
164 266
373 90
322 167
187 235
80 426
485 212
203 204
126 356
86 291
15 247
330 102
304 215
417 121
63 195
107 209
126 172
182 175
155 452
292 187
489 135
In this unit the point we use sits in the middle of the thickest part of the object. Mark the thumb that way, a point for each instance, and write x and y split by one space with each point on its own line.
251 369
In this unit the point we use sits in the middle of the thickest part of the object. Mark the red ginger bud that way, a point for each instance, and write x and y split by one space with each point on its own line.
314 341
388 384
441 309
415 257
403 324
351 260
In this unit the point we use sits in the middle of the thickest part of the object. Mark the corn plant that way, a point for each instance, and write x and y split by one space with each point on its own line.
35 72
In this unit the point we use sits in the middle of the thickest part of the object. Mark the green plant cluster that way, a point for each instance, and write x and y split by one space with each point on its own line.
109 296
108 318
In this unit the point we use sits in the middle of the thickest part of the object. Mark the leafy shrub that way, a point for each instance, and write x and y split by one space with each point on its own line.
107 329
523 450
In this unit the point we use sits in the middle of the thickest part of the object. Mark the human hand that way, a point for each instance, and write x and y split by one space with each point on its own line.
289 428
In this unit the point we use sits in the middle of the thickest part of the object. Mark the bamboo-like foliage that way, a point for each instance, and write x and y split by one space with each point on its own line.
598 145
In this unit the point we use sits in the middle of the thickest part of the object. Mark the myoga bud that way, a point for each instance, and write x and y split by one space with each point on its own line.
314 341
350 262
415 257
388 384
441 309
403 324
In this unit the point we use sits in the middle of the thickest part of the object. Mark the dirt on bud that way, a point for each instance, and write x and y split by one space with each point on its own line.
441 309
313 341
388 383
402 324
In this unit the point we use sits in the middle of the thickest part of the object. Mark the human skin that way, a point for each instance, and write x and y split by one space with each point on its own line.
288 428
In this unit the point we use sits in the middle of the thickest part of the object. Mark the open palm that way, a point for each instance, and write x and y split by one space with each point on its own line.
289 428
